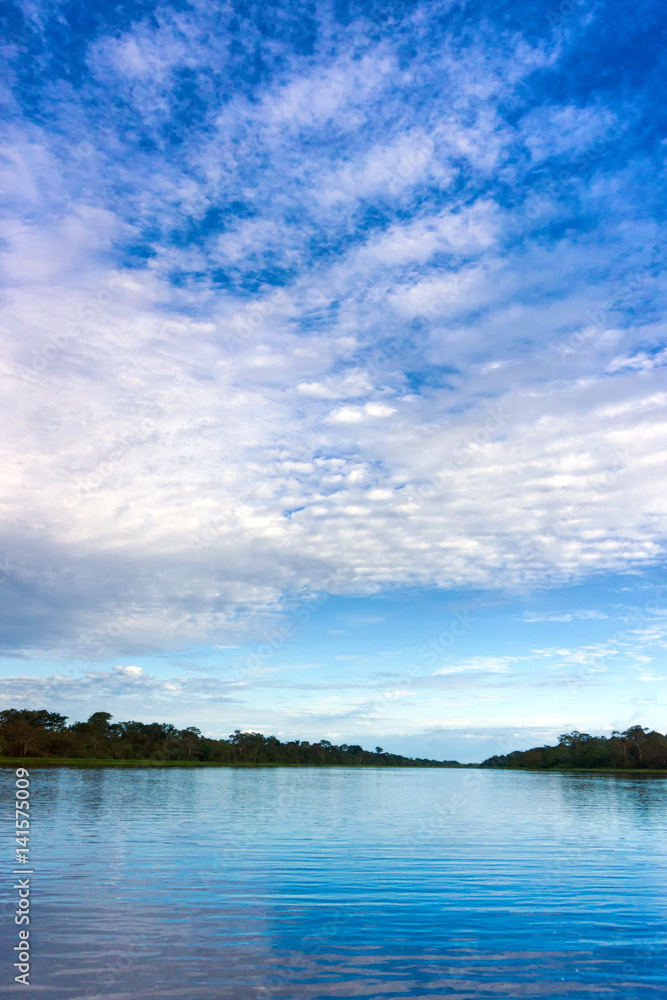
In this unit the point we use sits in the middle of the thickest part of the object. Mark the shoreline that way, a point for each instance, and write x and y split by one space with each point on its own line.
94 762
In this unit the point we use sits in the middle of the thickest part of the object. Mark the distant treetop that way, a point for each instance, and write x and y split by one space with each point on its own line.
28 733
636 748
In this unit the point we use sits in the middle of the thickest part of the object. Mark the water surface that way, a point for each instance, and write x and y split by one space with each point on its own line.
299 884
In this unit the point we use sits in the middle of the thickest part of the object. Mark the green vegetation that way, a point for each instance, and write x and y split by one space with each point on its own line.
635 749
46 736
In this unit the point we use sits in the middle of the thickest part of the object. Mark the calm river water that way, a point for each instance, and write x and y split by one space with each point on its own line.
381 883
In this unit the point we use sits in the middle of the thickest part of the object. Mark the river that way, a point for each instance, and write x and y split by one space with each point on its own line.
299 884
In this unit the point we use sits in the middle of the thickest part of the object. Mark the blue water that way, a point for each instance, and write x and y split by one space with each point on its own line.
299 884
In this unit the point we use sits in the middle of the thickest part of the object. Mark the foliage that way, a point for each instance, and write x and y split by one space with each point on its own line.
636 748
26 733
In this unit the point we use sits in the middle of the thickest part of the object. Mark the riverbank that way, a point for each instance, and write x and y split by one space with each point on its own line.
32 762
91 762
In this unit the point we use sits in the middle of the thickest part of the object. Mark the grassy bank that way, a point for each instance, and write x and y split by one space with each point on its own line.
32 762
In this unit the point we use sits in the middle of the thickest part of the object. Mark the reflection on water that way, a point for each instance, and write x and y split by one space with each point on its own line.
302 884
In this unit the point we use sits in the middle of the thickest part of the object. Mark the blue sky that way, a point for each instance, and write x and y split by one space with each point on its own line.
334 368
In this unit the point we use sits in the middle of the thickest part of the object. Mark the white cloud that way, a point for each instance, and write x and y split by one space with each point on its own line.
351 385
355 414
177 438
167 452
481 664
469 231
440 297
638 362
386 169
555 130
580 614
120 684
337 92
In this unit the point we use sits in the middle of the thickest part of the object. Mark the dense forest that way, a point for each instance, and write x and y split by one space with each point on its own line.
635 748
44 734
26 733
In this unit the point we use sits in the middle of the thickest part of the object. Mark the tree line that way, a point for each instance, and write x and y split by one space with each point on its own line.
40 733
636 748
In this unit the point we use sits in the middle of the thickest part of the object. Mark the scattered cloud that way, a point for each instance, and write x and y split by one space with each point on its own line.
485 664
568 616
301 307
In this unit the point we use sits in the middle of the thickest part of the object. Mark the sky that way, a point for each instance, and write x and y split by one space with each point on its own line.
333 368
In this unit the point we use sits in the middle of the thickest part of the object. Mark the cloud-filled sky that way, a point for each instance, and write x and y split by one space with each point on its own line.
334 367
